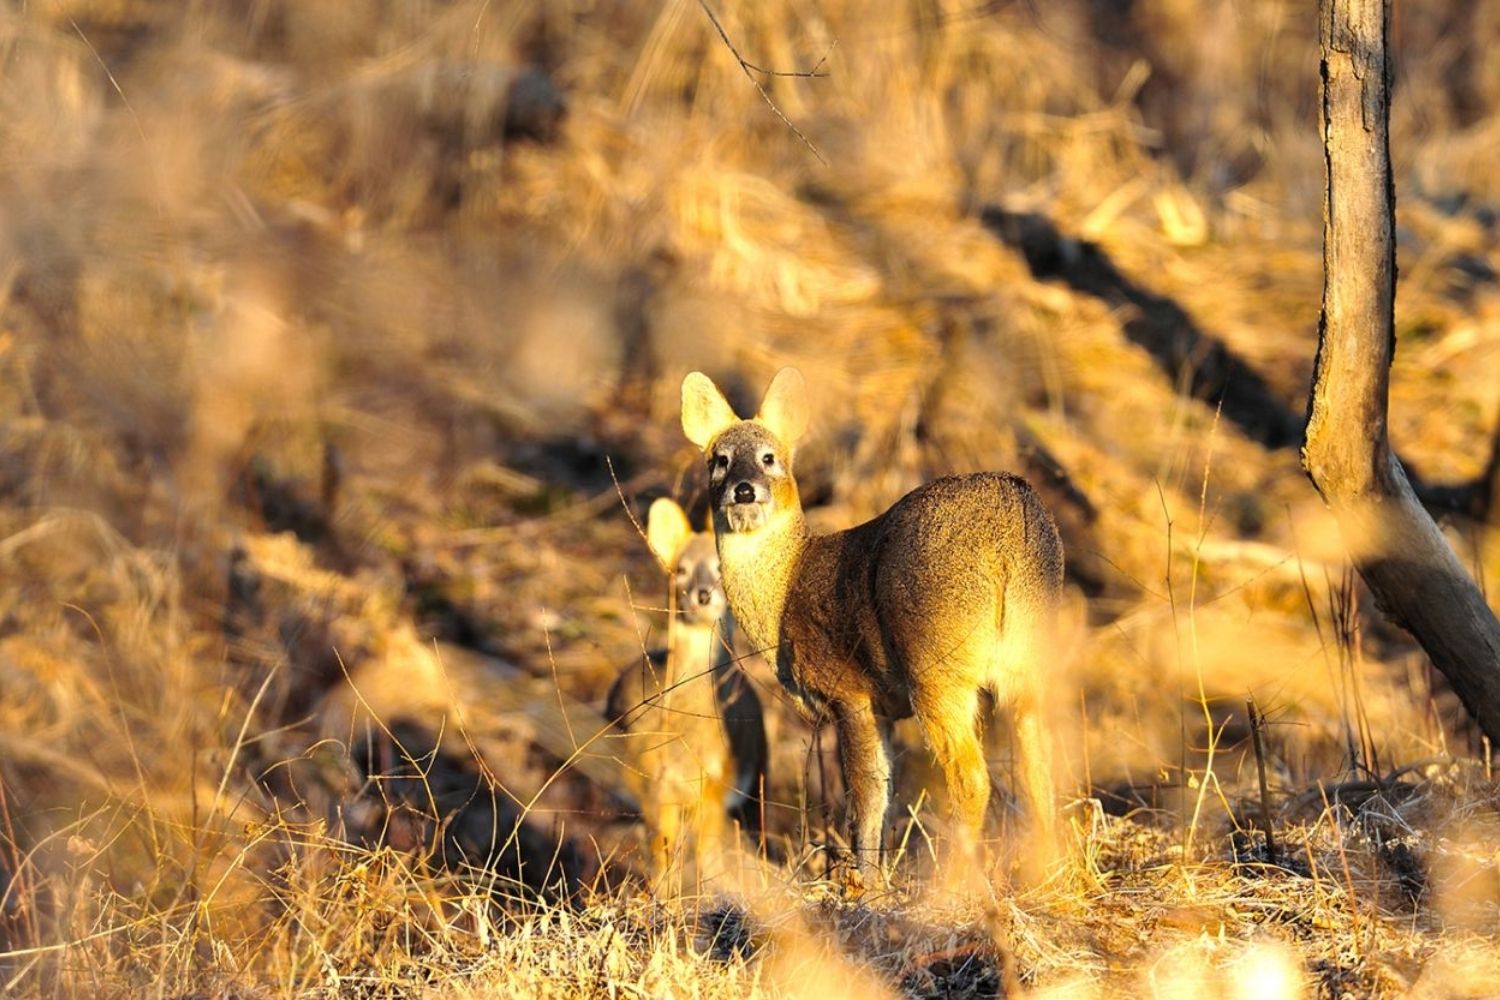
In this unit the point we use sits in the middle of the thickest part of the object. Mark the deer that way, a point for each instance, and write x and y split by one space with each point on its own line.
694 727
952 592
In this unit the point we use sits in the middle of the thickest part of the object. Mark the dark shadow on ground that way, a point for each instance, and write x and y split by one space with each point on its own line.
1202 363
428 800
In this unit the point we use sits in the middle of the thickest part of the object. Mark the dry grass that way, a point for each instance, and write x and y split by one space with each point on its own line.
324 340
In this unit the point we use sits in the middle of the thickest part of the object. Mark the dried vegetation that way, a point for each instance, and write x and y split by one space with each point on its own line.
338 341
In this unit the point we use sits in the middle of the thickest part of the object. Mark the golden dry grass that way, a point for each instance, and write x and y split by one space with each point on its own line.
317 377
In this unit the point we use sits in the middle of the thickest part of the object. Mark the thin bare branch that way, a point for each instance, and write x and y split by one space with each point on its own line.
750 70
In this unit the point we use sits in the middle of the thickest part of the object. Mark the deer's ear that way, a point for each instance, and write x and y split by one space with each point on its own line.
705 412
667 529
784 409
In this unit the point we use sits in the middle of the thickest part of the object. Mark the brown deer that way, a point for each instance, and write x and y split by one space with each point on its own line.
949 593
696 733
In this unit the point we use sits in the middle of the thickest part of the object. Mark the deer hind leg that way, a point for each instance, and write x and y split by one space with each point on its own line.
1034 757
1028 658
867 773
1033 750
949 721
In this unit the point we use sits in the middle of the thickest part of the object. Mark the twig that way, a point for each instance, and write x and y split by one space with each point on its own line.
750 70
1257 723
822 782
1208 718
129 108
811 74
624 504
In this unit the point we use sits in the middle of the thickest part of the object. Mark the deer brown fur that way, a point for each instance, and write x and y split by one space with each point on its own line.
949 593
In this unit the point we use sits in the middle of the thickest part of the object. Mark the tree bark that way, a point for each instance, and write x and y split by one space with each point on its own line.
1408 565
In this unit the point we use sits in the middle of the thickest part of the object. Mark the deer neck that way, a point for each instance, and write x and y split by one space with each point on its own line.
690 650
758 568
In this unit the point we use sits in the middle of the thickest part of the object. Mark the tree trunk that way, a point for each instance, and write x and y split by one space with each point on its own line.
1408 565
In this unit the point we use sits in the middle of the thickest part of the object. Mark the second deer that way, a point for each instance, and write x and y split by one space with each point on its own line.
696 732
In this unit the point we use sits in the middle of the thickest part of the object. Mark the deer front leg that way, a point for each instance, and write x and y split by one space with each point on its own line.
664 830
867 775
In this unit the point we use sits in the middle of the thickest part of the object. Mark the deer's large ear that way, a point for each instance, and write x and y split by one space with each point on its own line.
667 529
705 412
784 410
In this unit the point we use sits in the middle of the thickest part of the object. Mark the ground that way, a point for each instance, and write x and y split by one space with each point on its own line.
340 347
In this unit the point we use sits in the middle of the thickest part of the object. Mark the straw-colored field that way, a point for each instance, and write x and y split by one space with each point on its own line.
340 346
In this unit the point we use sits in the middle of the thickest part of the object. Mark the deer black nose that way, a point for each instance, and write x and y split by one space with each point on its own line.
705 595
744 493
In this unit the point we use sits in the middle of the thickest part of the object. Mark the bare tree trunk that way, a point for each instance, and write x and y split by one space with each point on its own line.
1406 562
